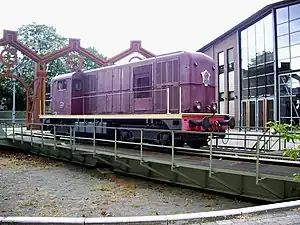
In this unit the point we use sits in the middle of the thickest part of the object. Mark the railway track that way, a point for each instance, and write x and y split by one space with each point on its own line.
221 153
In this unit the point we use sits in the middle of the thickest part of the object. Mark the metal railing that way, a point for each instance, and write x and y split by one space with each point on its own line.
7 117
212 150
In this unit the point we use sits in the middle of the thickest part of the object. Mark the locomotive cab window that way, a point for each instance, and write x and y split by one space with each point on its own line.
142 83
62 85
77 85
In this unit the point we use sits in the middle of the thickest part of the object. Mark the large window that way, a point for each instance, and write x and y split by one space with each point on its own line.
142 76
257 73
288 51
221 62
289 97
230 75
288 38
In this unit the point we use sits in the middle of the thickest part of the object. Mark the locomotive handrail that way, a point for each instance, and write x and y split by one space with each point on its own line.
117 93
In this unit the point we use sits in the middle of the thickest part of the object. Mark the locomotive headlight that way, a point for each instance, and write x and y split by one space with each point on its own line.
214 106
197 106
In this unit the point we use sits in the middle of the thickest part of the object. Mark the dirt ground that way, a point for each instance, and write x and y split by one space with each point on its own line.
36 186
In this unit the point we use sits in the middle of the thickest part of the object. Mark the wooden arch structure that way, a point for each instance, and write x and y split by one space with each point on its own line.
36 103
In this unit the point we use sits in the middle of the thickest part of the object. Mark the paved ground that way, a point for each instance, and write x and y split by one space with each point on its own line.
285 217
35 186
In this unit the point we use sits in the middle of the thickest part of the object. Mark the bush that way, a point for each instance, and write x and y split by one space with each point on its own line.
290 133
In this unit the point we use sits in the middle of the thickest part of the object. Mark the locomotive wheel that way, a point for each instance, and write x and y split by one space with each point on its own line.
165 139
52 132
197 144
125 135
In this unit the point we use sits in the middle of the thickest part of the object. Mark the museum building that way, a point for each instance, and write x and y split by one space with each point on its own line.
258 66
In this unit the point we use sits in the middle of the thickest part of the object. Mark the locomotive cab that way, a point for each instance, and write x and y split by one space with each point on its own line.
77 100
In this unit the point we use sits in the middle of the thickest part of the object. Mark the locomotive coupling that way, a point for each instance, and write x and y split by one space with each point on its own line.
205 123
230 122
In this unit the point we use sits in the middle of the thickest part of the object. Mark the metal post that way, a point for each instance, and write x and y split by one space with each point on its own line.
116 132
257 160
168 100
270 140
13 127
54 136
42 130
279 144
14 102
173 154
141 145
22 138
6 130
31 139
180 100
74 138
210 155
265 141
71 144
245 138
83 104
34 88
94 138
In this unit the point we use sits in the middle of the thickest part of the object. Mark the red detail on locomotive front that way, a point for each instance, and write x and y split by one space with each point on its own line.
214 126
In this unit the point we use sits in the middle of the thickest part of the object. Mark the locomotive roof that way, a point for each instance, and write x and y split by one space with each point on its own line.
63 76
69 75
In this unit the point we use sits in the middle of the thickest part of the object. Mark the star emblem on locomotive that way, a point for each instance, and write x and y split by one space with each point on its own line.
205 77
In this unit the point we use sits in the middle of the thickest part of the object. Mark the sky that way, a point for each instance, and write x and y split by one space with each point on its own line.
162 25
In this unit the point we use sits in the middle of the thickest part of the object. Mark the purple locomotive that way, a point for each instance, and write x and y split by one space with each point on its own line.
174 91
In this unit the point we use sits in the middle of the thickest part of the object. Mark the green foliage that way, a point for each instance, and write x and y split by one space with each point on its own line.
290 133
43 39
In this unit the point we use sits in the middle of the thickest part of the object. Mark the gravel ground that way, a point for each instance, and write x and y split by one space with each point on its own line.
36 186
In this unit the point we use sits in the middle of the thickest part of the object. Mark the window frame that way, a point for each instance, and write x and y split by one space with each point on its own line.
143 72
77 81
64 83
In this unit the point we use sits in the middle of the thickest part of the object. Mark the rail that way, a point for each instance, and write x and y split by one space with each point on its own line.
160 219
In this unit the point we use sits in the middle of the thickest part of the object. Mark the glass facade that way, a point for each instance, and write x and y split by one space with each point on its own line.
288 54
288 38
230 79
257 59
221 73
257 73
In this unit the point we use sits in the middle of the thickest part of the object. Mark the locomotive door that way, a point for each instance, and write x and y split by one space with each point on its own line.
61 92
142 88
77 107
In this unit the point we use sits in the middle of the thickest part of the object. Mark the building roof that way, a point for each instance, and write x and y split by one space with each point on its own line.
259 14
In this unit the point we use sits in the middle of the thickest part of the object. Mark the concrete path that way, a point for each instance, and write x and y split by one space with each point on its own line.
284 217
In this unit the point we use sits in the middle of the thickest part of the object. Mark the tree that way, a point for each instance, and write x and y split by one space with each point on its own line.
43 39
290 133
